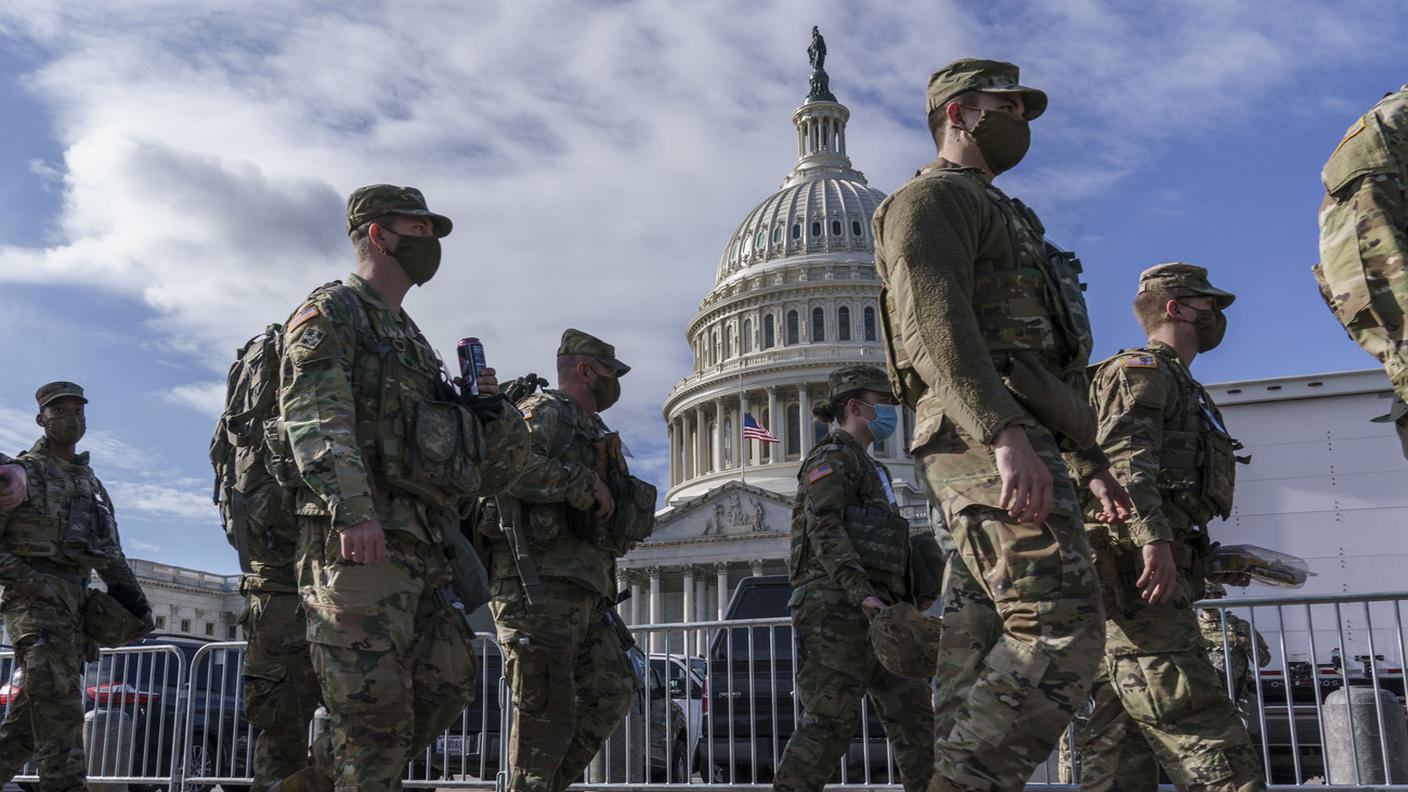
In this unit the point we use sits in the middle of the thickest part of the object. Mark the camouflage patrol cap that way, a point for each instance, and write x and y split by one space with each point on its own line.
852 378
575 342
374 201
988 76
905 641
1215 591
57 390
1190 278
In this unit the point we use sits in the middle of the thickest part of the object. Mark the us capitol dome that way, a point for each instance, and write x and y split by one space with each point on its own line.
794 298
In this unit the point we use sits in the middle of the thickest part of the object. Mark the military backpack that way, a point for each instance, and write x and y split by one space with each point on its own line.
255 477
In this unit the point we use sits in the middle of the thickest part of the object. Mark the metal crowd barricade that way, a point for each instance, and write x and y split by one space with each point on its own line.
714 705
133 701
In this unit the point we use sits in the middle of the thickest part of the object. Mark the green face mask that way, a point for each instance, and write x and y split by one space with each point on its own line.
1004 140
1211 326
419 256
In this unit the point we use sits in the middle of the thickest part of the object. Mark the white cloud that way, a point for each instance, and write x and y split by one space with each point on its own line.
205 397
184 499
595 158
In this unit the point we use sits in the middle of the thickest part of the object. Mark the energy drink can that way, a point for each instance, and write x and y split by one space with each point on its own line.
471 355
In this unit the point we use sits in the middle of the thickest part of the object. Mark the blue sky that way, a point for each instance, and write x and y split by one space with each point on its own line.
172 177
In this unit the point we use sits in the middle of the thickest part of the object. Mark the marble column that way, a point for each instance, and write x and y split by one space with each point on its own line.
655 605
718 435
687 451
701 426
776 428
804 407
687 606
898 439
740 442
721 570
674 452
634 577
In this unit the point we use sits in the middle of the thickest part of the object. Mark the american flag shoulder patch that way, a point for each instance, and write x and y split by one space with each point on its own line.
819 473
1141 361
308 312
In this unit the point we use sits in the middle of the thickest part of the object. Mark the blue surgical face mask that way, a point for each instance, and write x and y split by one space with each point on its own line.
885 421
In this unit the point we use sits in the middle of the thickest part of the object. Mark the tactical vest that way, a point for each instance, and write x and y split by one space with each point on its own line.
1038 305
68 518
875 527
415 436
1197 462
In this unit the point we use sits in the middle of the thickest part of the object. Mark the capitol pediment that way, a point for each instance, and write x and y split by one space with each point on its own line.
731 512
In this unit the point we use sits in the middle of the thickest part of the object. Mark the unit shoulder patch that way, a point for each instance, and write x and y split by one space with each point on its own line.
311 338
1140 361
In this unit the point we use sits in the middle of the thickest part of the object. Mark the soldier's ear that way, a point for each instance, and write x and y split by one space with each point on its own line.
39 419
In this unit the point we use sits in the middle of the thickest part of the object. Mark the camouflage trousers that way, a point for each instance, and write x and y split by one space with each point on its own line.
46 717
280 688
1023 634
1169 709
836 670
570 678
393 660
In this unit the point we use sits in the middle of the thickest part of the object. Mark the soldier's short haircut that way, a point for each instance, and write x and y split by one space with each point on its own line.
567 363
361 241
1151 307
835 408
938 117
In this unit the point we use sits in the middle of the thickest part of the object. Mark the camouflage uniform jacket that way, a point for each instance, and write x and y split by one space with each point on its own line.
1363 269
1166 443
985 326
838 473
1239 640
349 389
46 534
560 474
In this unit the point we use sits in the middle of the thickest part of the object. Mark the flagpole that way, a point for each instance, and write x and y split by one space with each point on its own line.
745 445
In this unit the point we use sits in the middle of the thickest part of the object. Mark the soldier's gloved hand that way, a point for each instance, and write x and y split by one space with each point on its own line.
605 504
1156 585
14 485
364 543
1115 505
1026 481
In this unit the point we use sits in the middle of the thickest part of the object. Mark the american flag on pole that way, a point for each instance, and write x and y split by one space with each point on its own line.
752 430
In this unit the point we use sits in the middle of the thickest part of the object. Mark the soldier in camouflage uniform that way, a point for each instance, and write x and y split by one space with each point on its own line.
1363 269
992 360
49 547
849 561
1156 694
1240 637
386 454
280 688
565 663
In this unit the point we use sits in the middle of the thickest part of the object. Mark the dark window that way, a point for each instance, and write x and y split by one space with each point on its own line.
185 625
816 228
161 622
855 228
792 331
209 628
818 325
231 633
879 448
843 324
836 228
747 335
869 323
777 234
794 429
769 334
728 344
796 230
